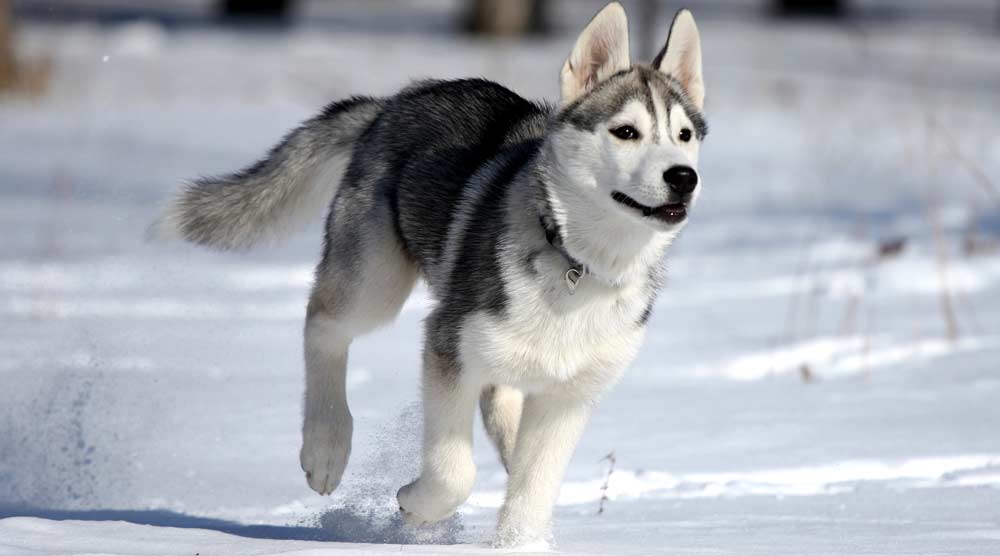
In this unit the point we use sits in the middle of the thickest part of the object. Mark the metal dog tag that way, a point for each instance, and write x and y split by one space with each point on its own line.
573 277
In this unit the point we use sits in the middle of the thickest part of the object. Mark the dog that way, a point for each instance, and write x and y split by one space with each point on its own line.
540 230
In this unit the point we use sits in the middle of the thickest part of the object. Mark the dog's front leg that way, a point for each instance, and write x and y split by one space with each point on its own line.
448 472
550 428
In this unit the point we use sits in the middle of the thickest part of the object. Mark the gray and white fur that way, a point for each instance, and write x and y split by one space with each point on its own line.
539 229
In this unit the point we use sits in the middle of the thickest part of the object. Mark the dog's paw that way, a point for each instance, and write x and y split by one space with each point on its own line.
324 455
522 522
412 519
527 544
525 536
423 502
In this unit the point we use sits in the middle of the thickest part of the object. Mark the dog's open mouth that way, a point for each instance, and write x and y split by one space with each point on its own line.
670 213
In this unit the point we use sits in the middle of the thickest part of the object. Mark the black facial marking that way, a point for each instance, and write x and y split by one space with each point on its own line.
601 103
651 105
637 83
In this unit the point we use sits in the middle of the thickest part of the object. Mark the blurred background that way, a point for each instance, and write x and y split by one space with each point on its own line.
821 374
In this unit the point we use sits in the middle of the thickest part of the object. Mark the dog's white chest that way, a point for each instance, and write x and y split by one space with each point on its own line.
546 336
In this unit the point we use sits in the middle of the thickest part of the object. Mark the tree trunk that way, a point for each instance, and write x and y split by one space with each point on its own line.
7 64
262 9
505 17
819 8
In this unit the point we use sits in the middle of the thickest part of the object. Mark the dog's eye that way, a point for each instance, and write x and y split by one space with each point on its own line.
625 132
685 135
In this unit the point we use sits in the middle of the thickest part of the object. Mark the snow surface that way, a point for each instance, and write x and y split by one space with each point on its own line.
796 395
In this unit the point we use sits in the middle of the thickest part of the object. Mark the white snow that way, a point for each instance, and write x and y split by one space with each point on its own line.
795 395
832 478
842 356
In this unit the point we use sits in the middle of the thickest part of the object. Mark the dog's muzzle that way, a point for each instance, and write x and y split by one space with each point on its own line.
671 213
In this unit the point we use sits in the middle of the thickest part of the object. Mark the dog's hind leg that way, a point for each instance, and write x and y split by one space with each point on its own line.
501 409
327 425
362 283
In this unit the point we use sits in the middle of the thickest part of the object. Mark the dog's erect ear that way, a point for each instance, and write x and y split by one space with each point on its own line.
681 57
600 52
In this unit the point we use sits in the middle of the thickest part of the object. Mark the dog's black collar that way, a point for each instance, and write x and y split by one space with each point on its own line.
577 270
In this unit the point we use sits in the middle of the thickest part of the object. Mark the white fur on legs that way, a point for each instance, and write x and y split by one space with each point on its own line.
501 409
550 428
448 470
328 425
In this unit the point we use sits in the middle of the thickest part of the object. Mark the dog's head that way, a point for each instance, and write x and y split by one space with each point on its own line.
627 136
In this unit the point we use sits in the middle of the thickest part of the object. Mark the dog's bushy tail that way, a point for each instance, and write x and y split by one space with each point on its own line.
278 194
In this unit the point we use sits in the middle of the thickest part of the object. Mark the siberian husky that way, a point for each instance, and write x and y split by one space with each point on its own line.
540 230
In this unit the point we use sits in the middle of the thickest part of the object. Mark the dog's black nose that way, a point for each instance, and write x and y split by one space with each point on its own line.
682 179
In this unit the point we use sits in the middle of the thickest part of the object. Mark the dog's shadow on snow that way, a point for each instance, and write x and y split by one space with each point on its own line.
354 525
